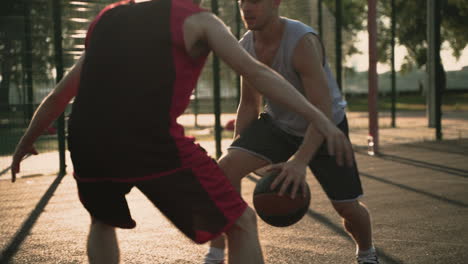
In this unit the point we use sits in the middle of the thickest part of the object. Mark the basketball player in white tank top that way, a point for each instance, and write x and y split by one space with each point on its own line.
295 51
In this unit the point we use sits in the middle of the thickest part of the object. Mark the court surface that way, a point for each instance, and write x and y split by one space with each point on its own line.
416 190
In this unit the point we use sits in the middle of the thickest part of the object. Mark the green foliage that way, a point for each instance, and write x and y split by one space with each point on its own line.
354 16
411 24
31 21
409 102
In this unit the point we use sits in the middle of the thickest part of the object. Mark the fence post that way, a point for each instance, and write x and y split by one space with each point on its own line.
338 42
373 78
393 82
28 61
434 67
217 91
57 20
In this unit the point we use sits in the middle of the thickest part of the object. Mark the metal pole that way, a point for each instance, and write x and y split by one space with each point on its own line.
216 92
57 19
373 77
431 76
28 61
434 67
320 17
440 80
393 76
338 25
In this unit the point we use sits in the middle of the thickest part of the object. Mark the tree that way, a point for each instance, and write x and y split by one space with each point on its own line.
353 18
11 22
15 17
411 23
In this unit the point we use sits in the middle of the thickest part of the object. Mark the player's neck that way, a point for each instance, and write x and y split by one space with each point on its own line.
271 32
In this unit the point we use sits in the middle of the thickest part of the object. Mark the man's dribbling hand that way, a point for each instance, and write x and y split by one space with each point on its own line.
21 153
292 172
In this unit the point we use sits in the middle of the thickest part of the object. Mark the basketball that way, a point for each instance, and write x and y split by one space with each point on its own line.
275 210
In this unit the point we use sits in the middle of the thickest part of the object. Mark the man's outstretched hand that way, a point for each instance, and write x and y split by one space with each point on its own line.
21 153
338 145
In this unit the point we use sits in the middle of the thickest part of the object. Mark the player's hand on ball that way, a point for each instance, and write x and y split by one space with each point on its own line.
292 172
21 153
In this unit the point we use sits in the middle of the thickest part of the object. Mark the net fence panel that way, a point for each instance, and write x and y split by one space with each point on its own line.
28 74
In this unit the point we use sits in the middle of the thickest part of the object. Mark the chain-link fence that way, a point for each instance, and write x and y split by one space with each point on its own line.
28 68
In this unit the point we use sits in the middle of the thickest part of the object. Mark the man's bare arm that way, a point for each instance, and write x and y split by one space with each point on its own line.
249 107
308 62
50 108
270 83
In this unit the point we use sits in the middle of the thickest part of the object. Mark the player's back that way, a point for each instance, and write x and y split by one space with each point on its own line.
125 110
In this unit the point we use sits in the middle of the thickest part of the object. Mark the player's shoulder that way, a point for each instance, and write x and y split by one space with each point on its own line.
205 20
298 27
246 38
200 22
205 15
299 32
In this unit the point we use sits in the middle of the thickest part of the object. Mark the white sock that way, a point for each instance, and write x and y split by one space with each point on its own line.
214 255
368 252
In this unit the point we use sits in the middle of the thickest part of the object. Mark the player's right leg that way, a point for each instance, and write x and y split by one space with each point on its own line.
239 163
243 243
102 245
235 165
260 144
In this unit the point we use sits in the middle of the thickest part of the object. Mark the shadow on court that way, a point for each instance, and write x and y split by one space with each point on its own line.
13 246
337 229
423 164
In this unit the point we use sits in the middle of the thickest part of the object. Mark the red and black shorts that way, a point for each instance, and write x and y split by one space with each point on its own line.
199 201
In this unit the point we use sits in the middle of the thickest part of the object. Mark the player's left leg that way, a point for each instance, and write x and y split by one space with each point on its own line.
102 245
342 185
356 220
108 208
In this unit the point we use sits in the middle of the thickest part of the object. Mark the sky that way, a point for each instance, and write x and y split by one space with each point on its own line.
361 61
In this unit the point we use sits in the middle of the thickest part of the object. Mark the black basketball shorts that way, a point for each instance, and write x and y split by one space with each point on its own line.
266 140
200 201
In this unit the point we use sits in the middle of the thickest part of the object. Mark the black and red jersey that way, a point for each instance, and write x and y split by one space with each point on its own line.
136 80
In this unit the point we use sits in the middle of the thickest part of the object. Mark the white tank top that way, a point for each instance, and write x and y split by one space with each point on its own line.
289 121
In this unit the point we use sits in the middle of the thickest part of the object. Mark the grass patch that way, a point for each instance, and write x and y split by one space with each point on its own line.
409 102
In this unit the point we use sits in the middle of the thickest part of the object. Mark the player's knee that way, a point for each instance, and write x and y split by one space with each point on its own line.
346 209
230 168
246 222
97 224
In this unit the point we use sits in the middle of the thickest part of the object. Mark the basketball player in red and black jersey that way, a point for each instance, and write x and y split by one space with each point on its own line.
141 63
